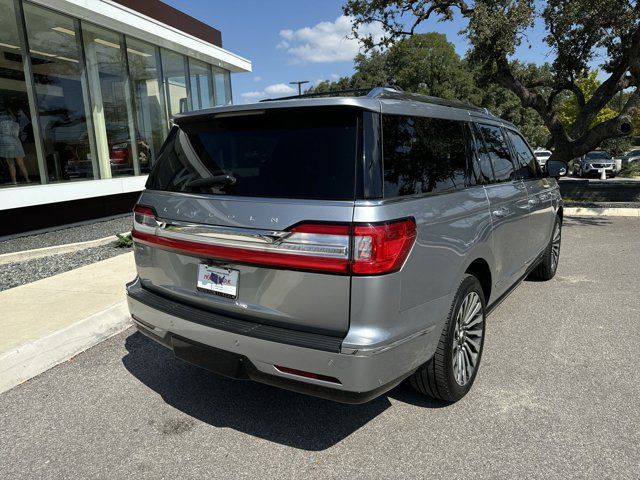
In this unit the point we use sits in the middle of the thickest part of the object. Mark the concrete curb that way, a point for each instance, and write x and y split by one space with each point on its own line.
26 361
54 250
601 212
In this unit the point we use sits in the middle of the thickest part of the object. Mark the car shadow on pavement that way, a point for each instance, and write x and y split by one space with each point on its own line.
591 221
266 412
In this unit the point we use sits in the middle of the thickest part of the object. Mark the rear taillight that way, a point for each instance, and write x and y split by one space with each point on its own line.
382 248
346 249
144 215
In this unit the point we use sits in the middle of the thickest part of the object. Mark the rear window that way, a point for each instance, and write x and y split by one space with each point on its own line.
303 153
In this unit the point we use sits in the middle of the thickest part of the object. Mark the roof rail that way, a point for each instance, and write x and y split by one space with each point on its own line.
355 92
390 92
418 97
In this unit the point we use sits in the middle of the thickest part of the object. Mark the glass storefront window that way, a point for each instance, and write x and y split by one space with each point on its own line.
222 86
18 159
175 82
150 121
61 103
201 85
111 102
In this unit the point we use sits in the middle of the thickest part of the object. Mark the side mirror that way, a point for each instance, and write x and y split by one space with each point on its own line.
557 168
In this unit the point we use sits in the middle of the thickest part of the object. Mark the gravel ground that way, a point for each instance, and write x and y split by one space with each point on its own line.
80 233
21 273
556 398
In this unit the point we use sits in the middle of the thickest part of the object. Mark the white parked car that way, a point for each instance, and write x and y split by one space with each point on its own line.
542 156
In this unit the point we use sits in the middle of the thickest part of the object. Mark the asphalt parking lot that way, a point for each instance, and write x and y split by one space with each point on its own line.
556 397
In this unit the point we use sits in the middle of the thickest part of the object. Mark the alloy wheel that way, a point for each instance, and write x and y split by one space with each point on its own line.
555 247
467 338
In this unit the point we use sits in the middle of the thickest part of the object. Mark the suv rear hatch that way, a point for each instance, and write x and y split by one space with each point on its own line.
247 213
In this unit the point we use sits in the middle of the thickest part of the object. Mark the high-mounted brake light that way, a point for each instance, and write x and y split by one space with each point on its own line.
338 248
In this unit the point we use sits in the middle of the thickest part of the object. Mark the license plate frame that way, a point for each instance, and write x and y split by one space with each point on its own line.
217 280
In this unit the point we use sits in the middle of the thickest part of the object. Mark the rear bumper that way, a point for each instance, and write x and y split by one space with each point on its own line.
244 355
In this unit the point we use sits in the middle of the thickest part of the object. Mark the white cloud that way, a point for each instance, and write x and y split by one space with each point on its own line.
257 79
251 95
325 42
279 88
287 34
275 90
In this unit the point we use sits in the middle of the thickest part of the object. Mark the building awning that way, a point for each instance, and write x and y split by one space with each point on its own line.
123 19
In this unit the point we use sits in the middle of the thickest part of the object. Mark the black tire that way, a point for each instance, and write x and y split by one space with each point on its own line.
436 378
547 267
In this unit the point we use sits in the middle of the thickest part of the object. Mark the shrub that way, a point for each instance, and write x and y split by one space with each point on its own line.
631 170
124 240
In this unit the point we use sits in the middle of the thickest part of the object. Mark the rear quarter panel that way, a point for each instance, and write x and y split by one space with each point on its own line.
452 230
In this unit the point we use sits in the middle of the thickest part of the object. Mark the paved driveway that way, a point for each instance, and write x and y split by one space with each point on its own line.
557 396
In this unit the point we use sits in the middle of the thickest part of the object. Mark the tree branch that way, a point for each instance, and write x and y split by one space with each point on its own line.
616 82
531 99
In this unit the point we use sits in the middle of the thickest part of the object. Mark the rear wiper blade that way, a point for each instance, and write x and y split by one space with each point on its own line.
213 181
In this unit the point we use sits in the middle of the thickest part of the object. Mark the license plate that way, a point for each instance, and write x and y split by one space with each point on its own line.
221 281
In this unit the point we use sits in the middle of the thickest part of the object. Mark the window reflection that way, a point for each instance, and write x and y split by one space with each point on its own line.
175 82
102 107
113 115
200 85
55 57
151 125
222 86
18 160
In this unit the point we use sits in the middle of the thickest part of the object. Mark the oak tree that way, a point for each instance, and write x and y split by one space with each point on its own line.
578 33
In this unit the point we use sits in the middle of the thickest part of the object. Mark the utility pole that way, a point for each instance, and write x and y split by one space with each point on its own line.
299 83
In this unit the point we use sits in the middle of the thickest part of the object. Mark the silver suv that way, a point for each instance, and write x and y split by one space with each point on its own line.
593 163
337 246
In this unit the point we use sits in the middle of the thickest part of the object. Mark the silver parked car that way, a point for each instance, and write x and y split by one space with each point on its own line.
593 162
337 246
630 157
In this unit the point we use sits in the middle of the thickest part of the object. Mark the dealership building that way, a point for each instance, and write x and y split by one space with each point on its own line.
87 91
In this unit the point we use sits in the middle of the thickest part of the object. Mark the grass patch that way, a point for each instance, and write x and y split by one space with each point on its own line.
124 240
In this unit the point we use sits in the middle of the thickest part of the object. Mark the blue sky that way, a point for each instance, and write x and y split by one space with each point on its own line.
302 40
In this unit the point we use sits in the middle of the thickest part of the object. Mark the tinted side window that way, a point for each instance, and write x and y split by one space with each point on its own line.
422 155
526 162
484 160
475 176
498 152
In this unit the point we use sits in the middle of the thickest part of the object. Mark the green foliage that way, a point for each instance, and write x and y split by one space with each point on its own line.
123 241
578 34
568 108
631 170
428 64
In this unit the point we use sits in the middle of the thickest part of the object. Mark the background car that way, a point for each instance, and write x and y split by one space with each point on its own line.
542 156
631 156
120 152
592 162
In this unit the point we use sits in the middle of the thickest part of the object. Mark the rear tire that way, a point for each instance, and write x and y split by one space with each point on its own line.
450 373
548 266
